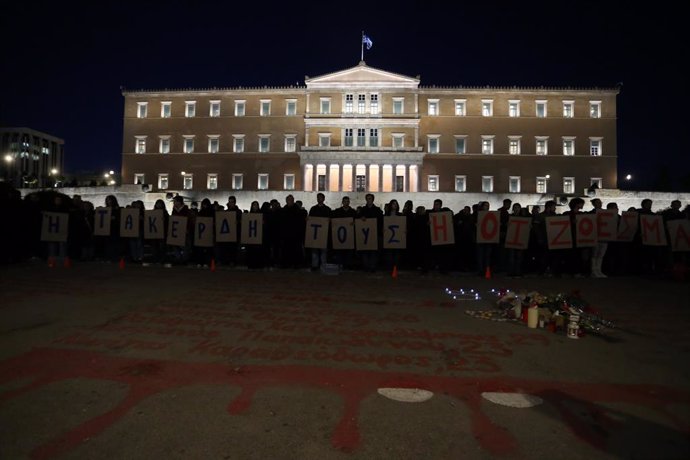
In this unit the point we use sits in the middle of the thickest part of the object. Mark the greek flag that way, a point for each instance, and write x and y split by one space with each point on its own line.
367 41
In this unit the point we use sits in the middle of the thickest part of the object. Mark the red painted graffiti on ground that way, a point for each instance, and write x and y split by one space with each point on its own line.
146 377
301 333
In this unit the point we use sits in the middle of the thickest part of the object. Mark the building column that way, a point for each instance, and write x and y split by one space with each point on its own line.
340 177
407 178
354 178
380 178
367 173
315 178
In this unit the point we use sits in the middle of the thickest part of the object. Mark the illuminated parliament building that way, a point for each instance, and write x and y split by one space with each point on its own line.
364 129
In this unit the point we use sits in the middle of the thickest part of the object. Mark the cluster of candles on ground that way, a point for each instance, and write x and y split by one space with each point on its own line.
531 313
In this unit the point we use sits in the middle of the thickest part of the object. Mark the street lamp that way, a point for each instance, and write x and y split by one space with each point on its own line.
53 174
8 162
628 177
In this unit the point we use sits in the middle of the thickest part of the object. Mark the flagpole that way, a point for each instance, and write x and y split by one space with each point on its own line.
361 42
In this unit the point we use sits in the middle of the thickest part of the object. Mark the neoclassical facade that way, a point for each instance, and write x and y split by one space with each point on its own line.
367 129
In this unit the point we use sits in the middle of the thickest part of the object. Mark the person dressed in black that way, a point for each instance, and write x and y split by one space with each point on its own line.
440 254
202 254
392 257
370 258
292 223
344 257
227 252
256 252
319 255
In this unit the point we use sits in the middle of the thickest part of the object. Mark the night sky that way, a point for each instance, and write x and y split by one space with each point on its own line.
62 66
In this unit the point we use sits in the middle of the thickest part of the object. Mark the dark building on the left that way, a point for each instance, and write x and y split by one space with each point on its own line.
31 158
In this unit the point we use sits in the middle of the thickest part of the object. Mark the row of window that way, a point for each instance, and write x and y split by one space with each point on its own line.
370 138
371 106
540 108
212 181
514 182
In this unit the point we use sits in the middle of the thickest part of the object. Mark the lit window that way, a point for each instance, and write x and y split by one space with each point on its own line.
487 145
264 143
595 109
212 181
433 146
487 184
349 103
238 143
163 181
289 181
514 184
541 184
187 181
139 179
514 145
291 107
362 103
237 181
398 105
263 182
190 109
166 109
487 108
460 144
433 107
140 144
290 142
514 109
568 109
325 105
595 146
373 137
597 181
348 137
433 183
374 104
460 183
164 144
214 109
568 146
142 109
265 107
213 144
398 141
542 145
568 185
460 108
188 144
324 140
541 109
240 107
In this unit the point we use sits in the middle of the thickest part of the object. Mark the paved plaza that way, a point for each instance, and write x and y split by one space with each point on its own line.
98 361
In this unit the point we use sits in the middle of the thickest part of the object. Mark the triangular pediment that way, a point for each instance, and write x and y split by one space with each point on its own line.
361 76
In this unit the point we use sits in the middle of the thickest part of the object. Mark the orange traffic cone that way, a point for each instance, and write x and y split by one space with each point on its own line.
395 272
487 273
51 262
68 262
213 265
122 263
